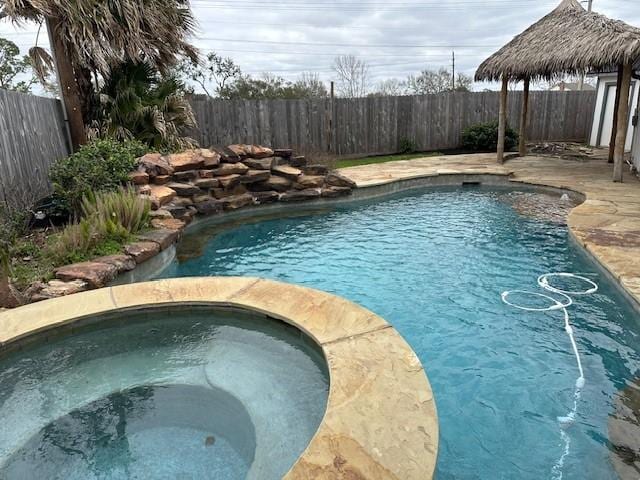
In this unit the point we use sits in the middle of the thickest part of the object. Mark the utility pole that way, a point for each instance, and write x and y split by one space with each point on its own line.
453 67
330 119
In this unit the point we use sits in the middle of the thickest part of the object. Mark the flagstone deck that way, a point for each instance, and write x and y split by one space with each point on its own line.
607 224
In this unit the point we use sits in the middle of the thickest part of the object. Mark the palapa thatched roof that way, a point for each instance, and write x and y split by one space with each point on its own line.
569 40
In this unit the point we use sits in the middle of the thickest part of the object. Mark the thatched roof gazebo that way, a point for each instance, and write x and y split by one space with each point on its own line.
569 40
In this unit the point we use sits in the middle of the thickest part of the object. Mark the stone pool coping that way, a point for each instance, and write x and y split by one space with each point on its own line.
380 421
606 224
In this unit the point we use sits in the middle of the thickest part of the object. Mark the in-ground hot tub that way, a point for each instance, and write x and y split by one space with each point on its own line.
210 378
171 393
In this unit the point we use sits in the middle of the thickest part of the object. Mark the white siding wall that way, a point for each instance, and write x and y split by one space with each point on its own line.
603 117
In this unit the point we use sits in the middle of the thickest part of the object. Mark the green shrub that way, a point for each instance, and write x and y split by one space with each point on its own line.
102 165
407 146
110 219
483 137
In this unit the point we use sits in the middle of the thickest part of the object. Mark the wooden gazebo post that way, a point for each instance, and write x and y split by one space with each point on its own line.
502 119
616 107
623 122
522 147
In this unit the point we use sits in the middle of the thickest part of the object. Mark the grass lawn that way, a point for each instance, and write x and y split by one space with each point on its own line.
386 158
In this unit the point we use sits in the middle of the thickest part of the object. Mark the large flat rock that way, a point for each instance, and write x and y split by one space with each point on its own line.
184 189
290 173
189 160
279 184
95 274
142 251
254 176
154 164
162 236
230 169
161 194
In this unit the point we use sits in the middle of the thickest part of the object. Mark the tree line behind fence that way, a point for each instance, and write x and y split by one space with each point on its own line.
32 130
378 125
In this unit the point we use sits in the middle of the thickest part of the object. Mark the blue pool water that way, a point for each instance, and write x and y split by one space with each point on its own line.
434 264
170 394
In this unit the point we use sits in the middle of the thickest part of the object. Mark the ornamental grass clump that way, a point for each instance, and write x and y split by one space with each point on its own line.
109 219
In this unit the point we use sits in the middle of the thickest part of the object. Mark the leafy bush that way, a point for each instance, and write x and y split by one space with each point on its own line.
109 220
102 165
484 137
407 146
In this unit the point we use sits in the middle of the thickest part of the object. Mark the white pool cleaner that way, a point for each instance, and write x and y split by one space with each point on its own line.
544 282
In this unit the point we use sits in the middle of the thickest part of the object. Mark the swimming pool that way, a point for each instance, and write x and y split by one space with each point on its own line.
180 392
434 264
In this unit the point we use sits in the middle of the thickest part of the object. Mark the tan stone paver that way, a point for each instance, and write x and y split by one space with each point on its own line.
607 224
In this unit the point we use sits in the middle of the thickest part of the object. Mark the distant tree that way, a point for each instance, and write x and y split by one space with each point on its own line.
14 66
392 87
430 81
270 86
353 76
212 74
309 85
463 83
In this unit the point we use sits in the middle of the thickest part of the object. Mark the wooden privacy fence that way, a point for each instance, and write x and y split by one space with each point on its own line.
377 125
32 130
32 137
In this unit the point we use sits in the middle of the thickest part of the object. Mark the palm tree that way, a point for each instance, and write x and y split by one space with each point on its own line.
90 37
138 103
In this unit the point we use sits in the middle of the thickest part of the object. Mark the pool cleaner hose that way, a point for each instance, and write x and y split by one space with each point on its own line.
566 300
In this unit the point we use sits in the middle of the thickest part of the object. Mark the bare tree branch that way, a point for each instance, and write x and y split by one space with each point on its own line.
353 76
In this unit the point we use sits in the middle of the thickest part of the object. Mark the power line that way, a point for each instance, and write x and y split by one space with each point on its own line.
337 54
355 45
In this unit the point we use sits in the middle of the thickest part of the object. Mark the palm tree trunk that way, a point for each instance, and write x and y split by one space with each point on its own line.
69 90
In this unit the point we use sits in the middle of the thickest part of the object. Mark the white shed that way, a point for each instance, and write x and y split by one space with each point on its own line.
603 116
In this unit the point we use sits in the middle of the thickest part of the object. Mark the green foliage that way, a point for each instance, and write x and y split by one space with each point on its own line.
483 137
102 165
13 66
212 74
138 103
431 81
407 145
110 219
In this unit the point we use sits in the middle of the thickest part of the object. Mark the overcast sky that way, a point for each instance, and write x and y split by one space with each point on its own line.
396 37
